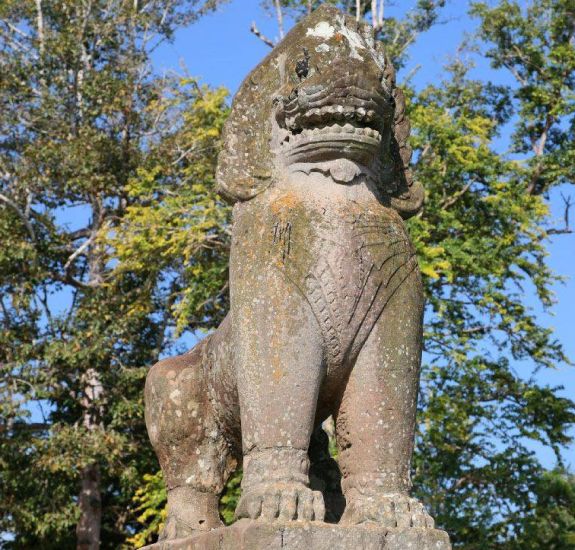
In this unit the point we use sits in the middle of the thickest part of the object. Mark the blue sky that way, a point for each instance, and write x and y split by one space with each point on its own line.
220 50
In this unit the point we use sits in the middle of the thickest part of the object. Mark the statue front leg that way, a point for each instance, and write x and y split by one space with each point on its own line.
376 420
278 357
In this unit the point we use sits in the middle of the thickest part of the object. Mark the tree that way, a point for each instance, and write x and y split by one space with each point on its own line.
79 117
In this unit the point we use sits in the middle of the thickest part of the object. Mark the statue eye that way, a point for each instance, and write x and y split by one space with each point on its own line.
302 65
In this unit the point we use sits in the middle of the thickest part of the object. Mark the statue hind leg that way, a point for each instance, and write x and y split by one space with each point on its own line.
195 453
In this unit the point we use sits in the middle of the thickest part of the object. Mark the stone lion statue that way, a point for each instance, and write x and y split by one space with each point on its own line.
326 297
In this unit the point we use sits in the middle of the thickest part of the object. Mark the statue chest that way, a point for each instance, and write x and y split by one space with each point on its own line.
347 258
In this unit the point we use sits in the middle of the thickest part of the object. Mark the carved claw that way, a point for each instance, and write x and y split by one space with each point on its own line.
386 510
281 501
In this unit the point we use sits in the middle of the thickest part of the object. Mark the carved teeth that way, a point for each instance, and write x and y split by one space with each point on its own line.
347 128
330 120
315 115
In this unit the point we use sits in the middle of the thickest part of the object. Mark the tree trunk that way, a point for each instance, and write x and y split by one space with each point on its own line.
90 502
90 497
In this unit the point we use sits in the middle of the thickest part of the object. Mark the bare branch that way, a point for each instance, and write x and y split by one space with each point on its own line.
515 73
40 23
482 329
377 14
280 18
454 198
568 202
79 234
15 29
76 283
79 251
262 37
16 44
357 10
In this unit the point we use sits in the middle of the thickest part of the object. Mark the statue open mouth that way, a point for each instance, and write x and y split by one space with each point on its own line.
333 141
325 123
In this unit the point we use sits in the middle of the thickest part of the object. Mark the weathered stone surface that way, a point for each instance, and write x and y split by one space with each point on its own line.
326 312
257 535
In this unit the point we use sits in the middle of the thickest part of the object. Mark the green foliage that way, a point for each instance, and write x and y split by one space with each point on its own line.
482 243
552 523
230 497
175 230
534 41
175 235
150 504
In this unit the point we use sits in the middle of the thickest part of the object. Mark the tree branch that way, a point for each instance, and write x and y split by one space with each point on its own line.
454 198
20 214
377 14
280 18
261 36
78 251
40 23
567 201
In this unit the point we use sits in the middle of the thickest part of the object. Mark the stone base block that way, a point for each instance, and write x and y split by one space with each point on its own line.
258 535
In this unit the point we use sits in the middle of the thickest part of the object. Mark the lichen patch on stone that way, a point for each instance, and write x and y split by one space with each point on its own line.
322 30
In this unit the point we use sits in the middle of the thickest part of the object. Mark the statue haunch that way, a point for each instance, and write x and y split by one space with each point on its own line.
326 297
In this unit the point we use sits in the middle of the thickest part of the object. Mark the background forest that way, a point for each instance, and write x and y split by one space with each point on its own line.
114 253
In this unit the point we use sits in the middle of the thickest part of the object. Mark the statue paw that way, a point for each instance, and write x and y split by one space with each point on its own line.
386 510
281 501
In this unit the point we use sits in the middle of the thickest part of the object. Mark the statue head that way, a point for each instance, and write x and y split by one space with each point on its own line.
323 100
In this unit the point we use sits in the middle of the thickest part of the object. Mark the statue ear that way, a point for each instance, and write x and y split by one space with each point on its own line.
408 195
245 161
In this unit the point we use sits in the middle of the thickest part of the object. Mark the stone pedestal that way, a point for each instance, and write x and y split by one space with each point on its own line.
258 535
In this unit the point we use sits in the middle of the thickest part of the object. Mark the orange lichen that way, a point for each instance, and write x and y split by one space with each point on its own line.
285 202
